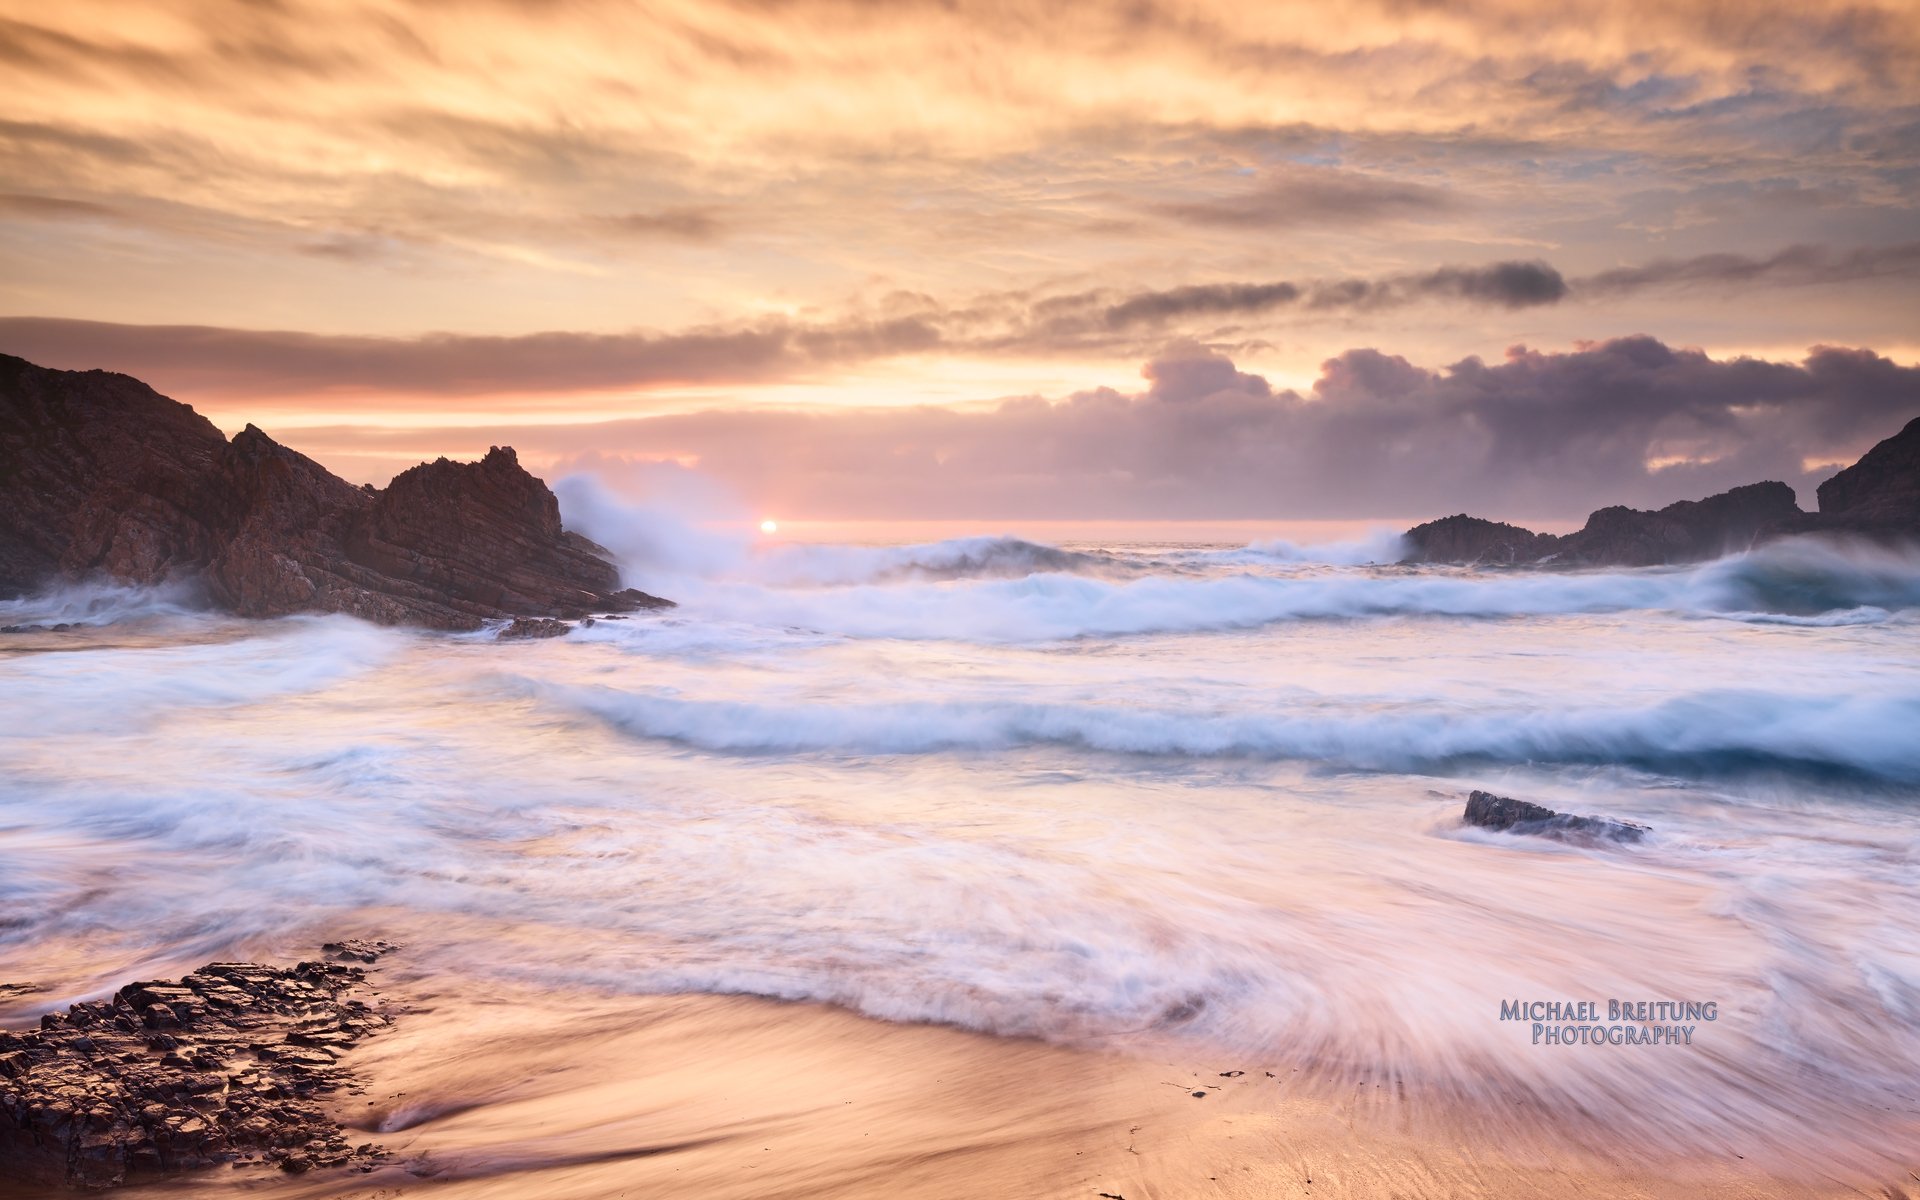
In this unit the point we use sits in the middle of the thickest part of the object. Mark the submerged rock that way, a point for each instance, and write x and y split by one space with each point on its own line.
223 1065
1520 816
101 477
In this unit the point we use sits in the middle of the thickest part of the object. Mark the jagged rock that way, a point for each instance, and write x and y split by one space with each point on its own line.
1881 491
1520 816
223 1065
1475 541
533 627
1686 531
100 476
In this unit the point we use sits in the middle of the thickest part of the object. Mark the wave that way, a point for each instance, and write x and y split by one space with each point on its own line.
109 688
1006 589
1784 583
98 605
1382 547
1811 577
1702 734
985 557
651 542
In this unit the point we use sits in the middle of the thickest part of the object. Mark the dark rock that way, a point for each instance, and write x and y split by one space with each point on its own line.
533 627
1520 816
358 949
93 1100
1475 541
1881 491
1687 531
1878 496
100 476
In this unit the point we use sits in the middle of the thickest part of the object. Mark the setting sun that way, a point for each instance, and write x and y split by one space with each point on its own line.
769 526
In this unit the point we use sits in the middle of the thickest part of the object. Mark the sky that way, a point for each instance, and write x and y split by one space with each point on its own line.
947 260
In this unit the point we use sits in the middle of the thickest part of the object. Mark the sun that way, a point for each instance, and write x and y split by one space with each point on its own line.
769 526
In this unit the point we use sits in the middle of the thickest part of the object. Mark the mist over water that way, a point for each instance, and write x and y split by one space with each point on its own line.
1160 799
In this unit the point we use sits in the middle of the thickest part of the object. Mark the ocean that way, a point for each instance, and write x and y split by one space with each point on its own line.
1144 798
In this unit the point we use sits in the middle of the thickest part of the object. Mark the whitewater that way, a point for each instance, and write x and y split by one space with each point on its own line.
1121 796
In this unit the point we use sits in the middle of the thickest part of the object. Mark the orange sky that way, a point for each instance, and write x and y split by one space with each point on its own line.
390 228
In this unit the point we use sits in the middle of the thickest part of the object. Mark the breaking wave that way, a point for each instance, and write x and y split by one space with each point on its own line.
1789 583
1009 590
99 604
1702 734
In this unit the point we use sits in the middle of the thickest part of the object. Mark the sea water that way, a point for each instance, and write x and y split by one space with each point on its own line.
1136 797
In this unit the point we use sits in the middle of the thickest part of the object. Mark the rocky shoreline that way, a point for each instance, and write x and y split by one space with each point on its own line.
230 1064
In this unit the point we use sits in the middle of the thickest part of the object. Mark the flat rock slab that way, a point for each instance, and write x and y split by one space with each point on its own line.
1519 816
224 1065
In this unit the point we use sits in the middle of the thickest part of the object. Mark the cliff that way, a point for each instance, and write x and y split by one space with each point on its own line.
1881 492
101 477
1878 496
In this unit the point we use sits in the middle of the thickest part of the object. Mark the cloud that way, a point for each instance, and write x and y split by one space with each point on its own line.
211 360
683 223
1318 198
1795 265
192 359
1536 436
55 208
1506 285
223 361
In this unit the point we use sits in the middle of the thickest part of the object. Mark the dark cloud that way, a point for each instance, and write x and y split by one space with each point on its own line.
1321 198
1505 285
1213 299
1793 265
1536 436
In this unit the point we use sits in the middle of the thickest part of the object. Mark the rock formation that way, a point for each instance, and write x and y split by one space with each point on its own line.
1878 496
228 1064
1476 541
1520 816
1881 492
103 478
1687 531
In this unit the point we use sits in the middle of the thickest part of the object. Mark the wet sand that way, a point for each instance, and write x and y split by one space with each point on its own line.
485 1092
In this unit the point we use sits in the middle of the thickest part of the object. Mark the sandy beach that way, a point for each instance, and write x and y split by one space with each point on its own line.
484 1091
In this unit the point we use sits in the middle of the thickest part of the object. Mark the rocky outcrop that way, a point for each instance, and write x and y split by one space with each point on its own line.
530 628
102 477
1688 531
1508 815
1475 541
1881 492
1878 496
229 1064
